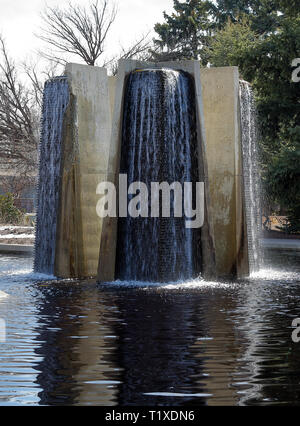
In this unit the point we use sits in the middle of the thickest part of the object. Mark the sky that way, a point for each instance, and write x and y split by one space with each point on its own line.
20 20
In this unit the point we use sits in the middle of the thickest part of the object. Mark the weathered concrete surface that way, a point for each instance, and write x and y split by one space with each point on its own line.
220 89
108 239
87 128
112 81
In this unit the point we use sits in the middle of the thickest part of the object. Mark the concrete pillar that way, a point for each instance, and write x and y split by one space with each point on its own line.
108 240
86 138
220 90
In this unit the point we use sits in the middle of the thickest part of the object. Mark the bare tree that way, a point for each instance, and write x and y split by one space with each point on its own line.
19 123
140 50
78 30
36 77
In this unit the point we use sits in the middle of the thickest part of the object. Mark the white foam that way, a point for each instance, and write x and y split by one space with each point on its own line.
39 276
3 295
192 284
274 275
27 274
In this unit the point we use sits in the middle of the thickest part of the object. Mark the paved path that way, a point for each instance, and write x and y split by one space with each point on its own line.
278 243
15 248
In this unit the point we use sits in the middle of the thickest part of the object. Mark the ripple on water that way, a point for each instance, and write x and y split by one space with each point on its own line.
137 343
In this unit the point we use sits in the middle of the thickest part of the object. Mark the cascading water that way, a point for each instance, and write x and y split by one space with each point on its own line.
250 173
55 102
158 145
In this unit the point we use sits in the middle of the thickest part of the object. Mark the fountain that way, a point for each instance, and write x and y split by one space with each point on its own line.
158 143
75 134
250 173
165 122
55 102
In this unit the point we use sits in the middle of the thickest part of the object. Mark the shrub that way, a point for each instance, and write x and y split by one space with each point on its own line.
9 213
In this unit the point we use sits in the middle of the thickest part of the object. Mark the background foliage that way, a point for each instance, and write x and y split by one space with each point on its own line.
261 37
9 213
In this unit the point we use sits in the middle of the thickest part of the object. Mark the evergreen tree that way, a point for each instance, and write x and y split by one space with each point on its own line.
261 37
186 32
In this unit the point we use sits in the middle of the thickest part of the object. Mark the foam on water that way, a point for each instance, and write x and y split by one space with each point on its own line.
27 275
196 283
3 295
271 274
20 270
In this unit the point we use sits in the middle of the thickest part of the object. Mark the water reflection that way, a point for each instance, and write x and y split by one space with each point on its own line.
77 348
156 347
264 315
74 343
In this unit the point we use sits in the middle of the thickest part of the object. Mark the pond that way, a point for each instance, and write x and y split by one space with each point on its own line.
193 343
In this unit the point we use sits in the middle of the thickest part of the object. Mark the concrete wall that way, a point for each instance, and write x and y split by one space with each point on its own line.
220 90
86 139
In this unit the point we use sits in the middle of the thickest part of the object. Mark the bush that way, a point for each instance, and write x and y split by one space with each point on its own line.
283 182
9 213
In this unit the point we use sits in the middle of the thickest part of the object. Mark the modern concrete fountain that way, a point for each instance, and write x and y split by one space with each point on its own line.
76 127
85 128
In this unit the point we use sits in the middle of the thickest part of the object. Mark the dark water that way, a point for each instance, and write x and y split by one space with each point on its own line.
196 343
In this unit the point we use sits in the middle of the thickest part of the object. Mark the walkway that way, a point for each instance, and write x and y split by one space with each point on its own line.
284 244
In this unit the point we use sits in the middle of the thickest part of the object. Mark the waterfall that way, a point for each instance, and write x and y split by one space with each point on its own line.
158 145
250 173
55 101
